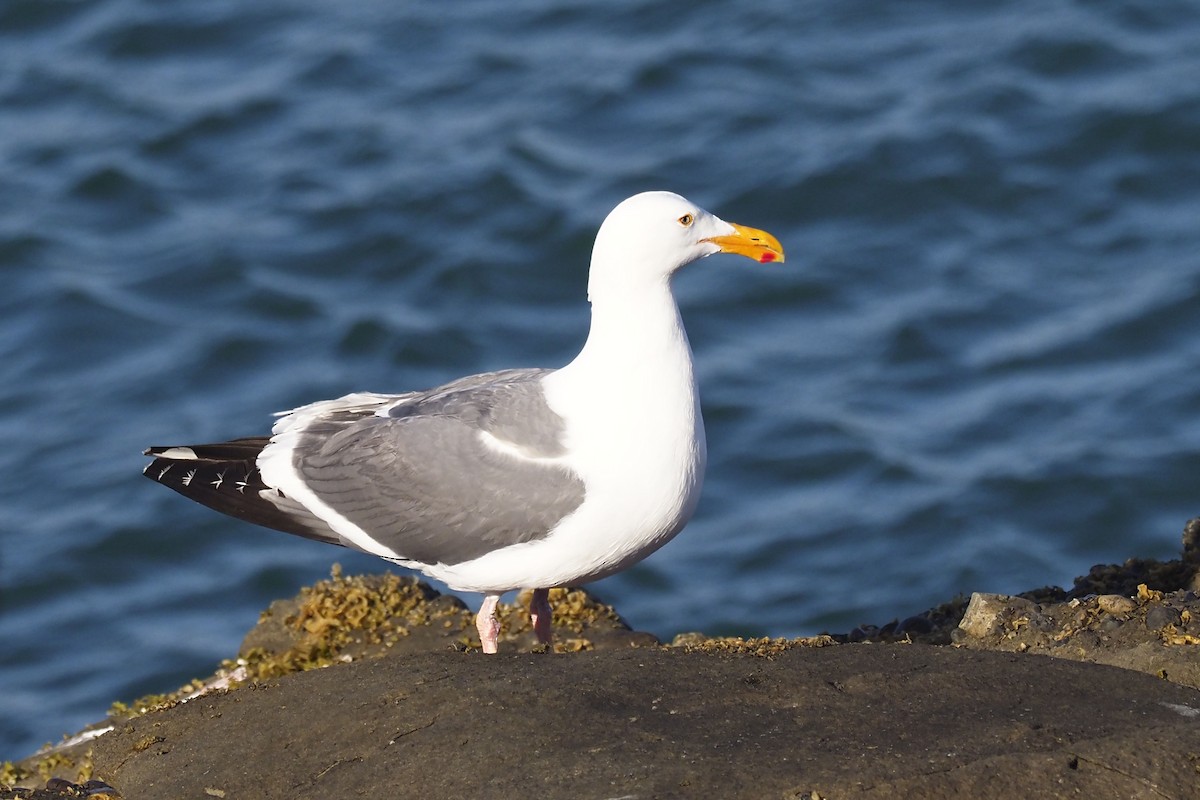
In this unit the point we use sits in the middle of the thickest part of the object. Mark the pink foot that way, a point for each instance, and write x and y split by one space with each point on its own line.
487 624
540 615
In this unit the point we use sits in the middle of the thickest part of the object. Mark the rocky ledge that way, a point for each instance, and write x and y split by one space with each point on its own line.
370 687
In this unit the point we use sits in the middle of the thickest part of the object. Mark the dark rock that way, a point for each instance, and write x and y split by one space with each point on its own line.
1191 540
1160 617
392 695
915 626
937 722
862 633
61 789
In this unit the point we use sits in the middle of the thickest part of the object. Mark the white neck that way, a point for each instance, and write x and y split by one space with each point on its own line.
636 341
630 393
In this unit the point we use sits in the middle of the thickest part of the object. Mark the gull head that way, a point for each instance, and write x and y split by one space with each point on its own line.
652 235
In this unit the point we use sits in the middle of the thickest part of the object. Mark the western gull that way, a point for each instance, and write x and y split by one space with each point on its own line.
521 478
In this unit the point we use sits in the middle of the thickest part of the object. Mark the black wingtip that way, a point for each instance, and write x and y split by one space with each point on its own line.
225 477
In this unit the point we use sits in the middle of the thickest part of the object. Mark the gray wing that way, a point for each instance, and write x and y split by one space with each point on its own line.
423 482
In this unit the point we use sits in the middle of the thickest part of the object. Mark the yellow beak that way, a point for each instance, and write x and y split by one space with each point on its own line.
751 243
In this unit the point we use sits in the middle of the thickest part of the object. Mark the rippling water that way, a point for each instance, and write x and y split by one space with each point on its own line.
977 370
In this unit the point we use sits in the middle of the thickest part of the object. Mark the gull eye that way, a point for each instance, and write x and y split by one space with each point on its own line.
686 220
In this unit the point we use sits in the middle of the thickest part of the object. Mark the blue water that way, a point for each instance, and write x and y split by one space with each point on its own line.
977 371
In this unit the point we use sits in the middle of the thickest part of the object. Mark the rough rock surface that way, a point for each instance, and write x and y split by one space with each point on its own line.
370 687
1153 631
865 720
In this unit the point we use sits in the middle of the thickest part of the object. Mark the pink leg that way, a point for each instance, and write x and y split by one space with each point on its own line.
487 624
540 615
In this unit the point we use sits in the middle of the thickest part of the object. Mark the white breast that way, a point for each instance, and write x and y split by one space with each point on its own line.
634 436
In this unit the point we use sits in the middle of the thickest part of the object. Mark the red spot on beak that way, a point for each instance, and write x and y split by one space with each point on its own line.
766 258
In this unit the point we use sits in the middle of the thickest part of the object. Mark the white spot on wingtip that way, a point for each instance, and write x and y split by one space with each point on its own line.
187 479
244 482
220 479
179 453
